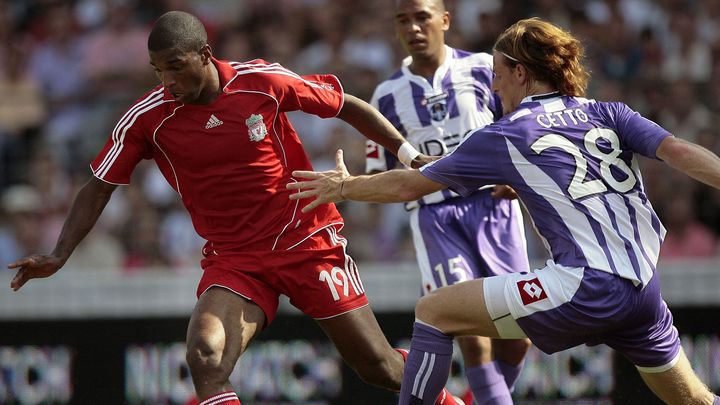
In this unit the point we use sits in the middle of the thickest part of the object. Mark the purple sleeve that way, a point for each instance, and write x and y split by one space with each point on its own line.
637 132
471 165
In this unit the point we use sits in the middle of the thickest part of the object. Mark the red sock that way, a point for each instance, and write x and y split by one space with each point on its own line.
404 353
225 398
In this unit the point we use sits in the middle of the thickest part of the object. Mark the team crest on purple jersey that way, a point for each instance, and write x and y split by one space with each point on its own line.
256 127
437 106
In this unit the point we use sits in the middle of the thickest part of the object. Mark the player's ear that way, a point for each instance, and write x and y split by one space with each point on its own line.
521 72
206 54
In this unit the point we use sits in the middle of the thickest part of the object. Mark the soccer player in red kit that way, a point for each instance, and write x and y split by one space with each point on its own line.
219 134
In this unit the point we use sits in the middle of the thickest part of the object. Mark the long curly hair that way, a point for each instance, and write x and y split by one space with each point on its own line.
549 53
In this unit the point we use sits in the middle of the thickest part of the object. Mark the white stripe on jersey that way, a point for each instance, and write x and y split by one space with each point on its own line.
552 105
627 229
172 166
575 221
421 252
520 114
272 69
243 65
651 240
263 67
150 98
614 243
118 135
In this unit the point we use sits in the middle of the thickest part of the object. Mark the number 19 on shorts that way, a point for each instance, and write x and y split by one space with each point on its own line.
340 281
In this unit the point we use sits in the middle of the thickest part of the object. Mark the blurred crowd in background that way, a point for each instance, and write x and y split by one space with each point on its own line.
70 69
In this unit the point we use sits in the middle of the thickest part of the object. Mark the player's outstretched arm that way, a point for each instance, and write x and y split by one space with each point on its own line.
86 209
691 159
374 126
337 185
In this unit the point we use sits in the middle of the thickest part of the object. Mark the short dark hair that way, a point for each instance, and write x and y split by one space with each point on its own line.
438 4
177 29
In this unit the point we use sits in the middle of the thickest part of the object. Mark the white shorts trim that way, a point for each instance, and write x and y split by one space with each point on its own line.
660 369
494 292
231 290
552 285
341 313
428 281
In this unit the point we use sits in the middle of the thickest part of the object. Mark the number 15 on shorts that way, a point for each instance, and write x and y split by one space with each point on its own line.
455 268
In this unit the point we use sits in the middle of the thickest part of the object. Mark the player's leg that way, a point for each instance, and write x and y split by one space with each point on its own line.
509 354
363 346
481 237
538 303
493 379
486 381
651 342
324 283
220 329
456 310
502 247
679 384
361 343
446 250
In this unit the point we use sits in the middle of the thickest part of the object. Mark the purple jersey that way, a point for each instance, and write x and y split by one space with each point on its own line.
571 161
434 114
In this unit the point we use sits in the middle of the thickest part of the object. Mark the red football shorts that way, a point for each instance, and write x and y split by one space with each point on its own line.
317 275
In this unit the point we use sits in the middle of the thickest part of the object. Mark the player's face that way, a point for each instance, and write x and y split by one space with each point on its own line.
183 74
507 83
421 27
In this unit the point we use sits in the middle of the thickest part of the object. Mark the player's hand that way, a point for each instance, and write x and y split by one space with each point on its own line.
503 191
326 187
35 266
423 159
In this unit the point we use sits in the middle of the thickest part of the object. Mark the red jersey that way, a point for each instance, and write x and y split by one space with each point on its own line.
230 160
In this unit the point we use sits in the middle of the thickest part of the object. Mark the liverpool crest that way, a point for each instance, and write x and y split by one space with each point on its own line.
256 127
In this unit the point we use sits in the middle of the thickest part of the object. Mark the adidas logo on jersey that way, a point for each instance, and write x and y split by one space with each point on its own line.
213 122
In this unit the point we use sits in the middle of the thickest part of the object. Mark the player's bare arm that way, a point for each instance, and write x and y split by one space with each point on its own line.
337 185
369 122
691 159
86 209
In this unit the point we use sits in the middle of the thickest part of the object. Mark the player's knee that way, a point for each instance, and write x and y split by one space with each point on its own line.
516 346
511 351
427 311
475 347
204 356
